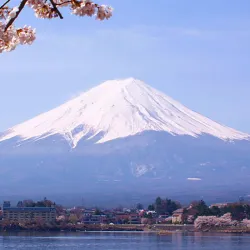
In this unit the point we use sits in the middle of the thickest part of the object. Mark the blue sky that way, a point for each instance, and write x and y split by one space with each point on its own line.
195 51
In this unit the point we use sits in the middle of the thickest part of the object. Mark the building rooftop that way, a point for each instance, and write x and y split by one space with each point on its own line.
35 209
178 211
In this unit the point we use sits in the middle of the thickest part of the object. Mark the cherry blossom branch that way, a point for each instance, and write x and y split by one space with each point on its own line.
4 4
11 37
58 4
20 8
56 9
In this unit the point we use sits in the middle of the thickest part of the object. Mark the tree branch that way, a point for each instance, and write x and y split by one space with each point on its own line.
20 8
56 10
4 4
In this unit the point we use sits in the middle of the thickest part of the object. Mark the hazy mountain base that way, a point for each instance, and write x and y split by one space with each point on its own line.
127 170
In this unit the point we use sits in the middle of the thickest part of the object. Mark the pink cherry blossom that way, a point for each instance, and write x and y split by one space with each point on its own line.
26 35
87 8
45 11
13 12
62 3
4 13
246 223
10 36
104 12
209 222
8 39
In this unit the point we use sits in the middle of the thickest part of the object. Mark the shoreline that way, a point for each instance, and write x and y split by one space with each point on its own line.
160 229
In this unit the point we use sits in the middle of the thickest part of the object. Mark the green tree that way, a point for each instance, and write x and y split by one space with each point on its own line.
158 201
247 211
98 211
151 207
139 206
171 206
216 211
166 206
148 215
159 206
28 203
73 219
237 210
202 208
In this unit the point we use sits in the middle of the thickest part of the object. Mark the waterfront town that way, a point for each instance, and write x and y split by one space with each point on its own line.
162 213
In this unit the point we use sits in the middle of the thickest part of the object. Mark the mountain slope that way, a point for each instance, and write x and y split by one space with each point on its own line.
117 109
120 137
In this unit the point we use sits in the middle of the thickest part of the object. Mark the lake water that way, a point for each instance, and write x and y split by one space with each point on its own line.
123 241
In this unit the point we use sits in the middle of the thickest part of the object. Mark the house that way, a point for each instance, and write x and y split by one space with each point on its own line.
153 213
110 215
94 219
122 218
88 212
23 214
178 216
162 219
134 219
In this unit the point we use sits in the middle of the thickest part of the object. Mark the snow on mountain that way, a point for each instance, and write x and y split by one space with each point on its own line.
117 109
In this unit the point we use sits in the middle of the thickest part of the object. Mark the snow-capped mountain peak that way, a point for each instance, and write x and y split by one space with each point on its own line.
117 109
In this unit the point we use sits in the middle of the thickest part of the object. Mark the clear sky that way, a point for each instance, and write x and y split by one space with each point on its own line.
197 52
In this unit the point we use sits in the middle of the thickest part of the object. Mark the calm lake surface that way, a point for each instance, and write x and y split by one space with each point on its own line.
123 241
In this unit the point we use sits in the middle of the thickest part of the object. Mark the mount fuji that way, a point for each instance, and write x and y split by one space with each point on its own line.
119 137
